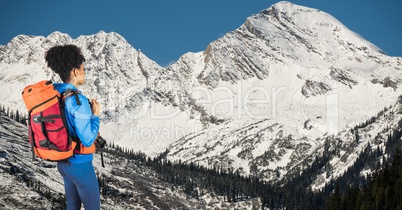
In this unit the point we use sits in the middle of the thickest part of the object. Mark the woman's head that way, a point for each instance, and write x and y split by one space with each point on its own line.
67 61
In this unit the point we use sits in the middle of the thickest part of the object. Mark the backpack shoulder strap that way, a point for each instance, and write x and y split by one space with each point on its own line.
70 92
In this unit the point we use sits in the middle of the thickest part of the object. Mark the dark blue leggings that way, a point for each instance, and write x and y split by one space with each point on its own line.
80 184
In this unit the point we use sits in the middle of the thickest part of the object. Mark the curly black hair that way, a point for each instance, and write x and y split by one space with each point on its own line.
62 59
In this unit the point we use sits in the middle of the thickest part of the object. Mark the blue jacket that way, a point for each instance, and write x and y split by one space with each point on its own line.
81 121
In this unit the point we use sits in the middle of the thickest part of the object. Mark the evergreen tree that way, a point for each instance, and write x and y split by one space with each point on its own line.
17 116
357 137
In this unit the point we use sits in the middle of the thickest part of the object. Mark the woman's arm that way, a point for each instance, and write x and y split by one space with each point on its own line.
86 123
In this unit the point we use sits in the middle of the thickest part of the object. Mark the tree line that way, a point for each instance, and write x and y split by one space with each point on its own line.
15 115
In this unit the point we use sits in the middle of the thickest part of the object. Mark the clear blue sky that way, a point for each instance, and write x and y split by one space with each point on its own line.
166 29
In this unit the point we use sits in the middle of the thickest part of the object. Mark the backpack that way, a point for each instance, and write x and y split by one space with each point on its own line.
47 126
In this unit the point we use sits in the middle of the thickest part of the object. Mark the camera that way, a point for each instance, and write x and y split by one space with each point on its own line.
100 142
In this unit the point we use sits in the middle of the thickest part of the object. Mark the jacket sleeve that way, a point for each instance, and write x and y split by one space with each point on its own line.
86 124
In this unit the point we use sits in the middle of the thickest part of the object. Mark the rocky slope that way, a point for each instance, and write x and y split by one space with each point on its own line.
125 183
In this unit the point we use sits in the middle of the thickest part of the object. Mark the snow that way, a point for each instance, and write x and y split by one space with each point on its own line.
250 81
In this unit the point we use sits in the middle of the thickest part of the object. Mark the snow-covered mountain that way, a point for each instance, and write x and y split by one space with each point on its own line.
118 75
280 85
263 99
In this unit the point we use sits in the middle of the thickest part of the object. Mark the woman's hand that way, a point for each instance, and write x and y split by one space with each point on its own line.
96 107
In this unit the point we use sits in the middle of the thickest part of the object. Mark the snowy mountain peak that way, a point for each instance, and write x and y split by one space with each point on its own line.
288 74
109 57
282 8
102 32
112 36
58 36
283 35
286 7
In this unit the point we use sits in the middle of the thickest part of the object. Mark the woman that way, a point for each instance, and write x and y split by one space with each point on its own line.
80 181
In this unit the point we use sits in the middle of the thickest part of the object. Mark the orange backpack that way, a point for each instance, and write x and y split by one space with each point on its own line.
47 125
